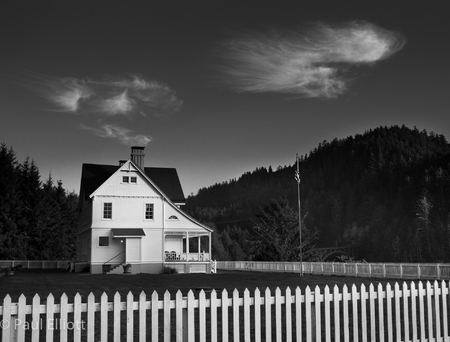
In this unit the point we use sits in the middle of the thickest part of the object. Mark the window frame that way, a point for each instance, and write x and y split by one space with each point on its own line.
100 238
106 210
152 206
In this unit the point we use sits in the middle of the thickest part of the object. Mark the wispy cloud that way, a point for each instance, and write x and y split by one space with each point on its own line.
125 135
310 63
110 99
109 96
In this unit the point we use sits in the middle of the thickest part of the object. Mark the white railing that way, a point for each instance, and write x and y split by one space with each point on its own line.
35 264
400 313
374 270
173 256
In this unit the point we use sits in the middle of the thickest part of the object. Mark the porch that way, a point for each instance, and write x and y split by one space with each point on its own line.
188 251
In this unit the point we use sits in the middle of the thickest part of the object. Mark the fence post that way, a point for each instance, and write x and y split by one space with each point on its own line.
384 270
401 271
418 271
438 272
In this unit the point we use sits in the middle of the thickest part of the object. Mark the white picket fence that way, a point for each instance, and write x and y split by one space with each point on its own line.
374 270
406 312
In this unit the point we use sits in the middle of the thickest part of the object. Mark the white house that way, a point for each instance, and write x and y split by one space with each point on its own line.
130 220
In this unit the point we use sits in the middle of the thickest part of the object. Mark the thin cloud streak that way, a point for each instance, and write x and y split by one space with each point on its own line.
125 135
314 63
126 96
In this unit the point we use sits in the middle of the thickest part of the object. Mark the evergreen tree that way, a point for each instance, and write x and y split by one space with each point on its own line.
277 236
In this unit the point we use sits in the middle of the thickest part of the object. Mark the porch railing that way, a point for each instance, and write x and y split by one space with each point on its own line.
174 256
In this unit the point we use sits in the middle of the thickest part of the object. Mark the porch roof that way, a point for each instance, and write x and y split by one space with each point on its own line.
127 232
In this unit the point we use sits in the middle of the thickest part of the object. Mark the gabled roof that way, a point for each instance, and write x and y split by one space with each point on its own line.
94 175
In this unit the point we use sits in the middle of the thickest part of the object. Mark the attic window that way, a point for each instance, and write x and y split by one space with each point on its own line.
125 179
133 180
173 217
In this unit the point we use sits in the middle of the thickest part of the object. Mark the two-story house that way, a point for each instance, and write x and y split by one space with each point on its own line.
130 219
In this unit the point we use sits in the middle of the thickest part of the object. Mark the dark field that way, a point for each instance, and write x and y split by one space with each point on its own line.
57 282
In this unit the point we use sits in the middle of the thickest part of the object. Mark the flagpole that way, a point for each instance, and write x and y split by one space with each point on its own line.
297 176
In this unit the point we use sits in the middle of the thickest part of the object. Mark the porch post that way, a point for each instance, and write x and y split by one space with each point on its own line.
187 245
209 247
198 249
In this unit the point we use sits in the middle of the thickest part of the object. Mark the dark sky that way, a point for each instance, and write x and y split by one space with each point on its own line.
214 88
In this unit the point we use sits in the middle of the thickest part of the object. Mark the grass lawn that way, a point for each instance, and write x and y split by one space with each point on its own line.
57 282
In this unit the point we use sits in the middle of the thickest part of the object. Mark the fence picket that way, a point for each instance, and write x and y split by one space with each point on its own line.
257 308
224 315
202 315
429 312
316 314
213 311
308 312
116 325
247 327
372 317
278 314
288 314
142 317
130 317
90 317
327 299
166 313
21 308
413 296
236 330
190 316
363 298
398 323
76 324
405 296
104 317
63 318
298 313
35 318
345 300
389 318
154 315
268 313
444 294
380 297
8 319
336 299
436 293
422 311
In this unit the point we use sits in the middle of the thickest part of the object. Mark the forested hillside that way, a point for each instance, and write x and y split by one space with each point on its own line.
38 220
386 191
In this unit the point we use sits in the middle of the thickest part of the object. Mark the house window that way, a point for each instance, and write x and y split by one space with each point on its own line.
149 211
107 211
134 180
173 217
103 241
125 179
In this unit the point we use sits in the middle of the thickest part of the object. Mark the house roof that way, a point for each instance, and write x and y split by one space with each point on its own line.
166 179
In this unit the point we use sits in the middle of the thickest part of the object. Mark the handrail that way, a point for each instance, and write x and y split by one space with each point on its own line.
113 258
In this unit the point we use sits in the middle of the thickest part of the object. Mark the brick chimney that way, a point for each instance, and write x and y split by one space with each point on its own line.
137 156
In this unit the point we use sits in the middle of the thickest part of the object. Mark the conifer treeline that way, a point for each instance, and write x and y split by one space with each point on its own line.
38 220
386 191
